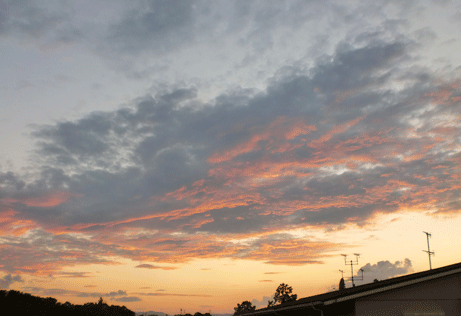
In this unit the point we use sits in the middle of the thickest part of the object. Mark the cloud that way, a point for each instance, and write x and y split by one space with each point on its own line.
150 266
9 279
141 37
99 294
48 292
46 25
161 26
173 294
385 269
127 299
276 249
55 291
154 22
361 131
262 303
72 274
43 253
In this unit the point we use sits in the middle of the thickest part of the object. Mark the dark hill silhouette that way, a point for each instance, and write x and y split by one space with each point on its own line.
26 304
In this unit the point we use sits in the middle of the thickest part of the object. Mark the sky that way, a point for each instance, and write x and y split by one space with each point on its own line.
192 155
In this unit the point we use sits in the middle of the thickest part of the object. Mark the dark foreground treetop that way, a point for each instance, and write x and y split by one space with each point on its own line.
19 304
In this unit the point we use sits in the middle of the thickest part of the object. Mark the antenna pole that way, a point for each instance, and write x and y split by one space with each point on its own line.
429 252
352 263
352 274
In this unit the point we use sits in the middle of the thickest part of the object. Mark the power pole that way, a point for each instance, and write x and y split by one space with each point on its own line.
429 252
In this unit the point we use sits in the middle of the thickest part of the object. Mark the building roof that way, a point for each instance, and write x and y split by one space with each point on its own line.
363 290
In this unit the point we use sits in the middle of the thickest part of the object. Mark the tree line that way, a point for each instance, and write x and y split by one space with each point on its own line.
282 294
19 303
196 314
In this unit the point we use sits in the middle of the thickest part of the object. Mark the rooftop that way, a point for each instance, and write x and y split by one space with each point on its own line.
363 290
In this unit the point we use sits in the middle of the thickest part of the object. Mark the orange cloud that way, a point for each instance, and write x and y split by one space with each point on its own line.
47 200
447 94
277 133
335 130
10 225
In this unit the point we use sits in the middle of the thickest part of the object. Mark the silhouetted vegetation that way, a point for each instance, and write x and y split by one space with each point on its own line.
245 307
19 304
196 314
342 284
283 295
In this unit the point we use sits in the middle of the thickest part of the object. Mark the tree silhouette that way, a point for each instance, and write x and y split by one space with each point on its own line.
283 294
342 284
27 304
245 307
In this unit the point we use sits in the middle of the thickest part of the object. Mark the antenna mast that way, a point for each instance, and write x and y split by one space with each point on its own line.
352 263
429 252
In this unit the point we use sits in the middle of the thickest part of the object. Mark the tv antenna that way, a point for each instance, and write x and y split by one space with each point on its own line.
352 264
342 274
429 252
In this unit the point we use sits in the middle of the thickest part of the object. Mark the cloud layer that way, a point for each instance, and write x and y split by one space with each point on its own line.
329 146
352 126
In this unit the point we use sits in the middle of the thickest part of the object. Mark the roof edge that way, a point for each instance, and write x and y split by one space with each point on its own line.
275 310
391 287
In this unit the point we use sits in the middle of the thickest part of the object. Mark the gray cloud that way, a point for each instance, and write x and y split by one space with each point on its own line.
99 294
162 26
128 299
48 292
173 294
42 22
262 303
172 142
9 181
157 25
148 30
385 269
43 291
72 274
151 266
9 279
324 145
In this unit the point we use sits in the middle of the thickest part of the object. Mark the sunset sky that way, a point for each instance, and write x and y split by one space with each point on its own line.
191 155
